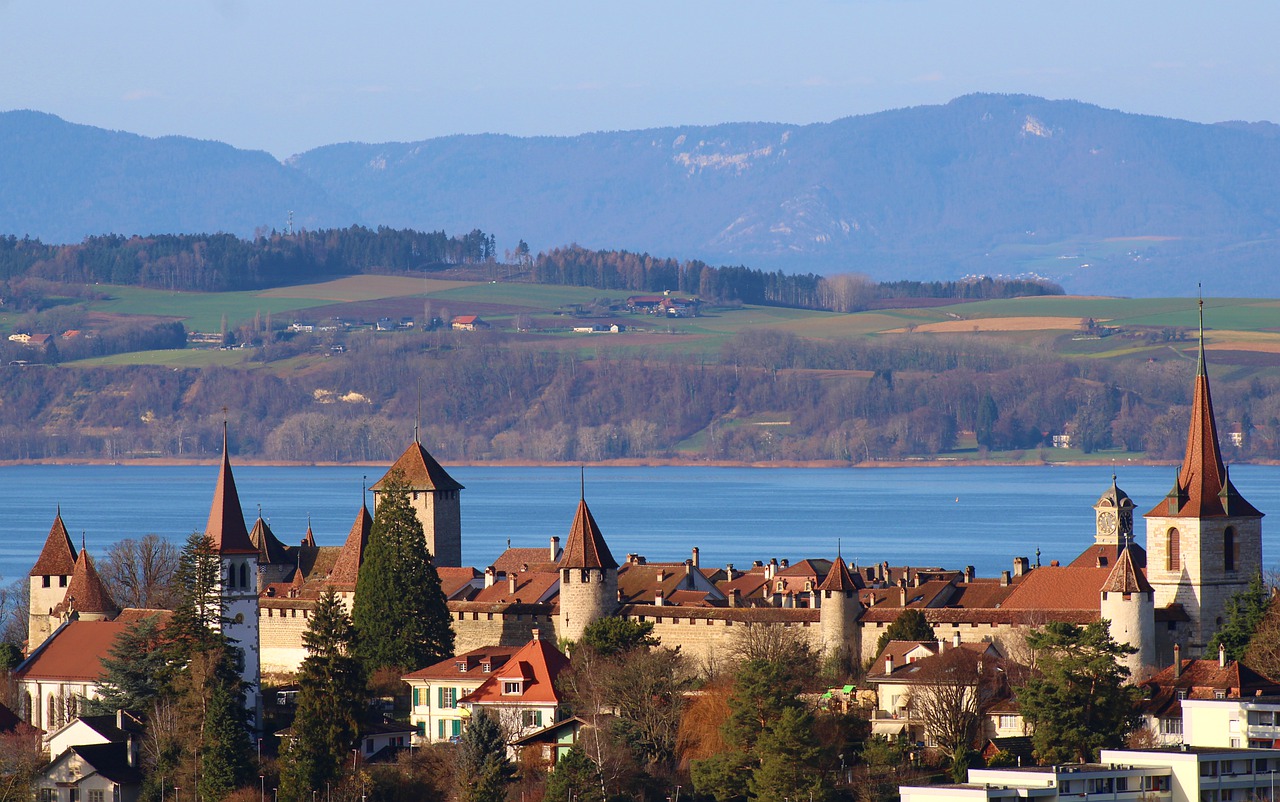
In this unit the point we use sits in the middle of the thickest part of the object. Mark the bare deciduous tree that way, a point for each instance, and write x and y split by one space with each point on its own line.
139 573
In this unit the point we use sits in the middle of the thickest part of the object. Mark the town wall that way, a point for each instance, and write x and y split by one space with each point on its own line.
476 625
281 625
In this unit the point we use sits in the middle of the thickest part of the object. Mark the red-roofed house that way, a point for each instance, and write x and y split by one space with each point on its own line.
64 671
436 689
522 692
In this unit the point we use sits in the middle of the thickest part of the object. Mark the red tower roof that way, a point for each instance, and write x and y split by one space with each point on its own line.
586 547
839 578
1125 577
346 569
86 593
58 557
1203 488
226 519
420 470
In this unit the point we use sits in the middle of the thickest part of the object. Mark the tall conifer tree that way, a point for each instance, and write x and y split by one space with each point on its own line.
332 694
400 615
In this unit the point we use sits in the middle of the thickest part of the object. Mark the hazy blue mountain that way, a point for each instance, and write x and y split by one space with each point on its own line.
61 182
1100 200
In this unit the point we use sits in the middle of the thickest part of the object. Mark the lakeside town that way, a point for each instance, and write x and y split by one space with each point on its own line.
387 669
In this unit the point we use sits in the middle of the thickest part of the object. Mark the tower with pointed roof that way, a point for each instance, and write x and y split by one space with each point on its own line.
1204 540
838 612
1128 603
50 577
588 576
238 579
434 496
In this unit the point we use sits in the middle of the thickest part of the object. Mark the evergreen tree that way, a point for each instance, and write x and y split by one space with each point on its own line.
331 696
613 635
909 625
400 615
226 761
574 777
197 622
483 768
136 671
789 757
1078 702
1245 611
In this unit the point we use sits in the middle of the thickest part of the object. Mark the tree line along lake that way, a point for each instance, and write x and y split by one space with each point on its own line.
947 516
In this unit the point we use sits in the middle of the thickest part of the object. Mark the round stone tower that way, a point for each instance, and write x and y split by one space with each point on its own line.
1128 602
588 577
838 612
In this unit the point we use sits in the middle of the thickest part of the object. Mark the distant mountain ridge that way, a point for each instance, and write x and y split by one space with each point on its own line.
1099 200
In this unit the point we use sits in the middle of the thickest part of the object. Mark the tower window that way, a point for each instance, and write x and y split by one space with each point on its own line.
244 575
48 580
1229 549
1173 559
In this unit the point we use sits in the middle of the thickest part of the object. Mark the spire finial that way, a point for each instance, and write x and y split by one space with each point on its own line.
259 509
582 483
838 554
81 540
417 420
1200 363
364 491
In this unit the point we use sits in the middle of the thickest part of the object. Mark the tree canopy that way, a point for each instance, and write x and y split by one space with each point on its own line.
400 616
1245 613
909 625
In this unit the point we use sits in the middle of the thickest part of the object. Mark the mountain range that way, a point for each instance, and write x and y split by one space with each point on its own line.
1099 200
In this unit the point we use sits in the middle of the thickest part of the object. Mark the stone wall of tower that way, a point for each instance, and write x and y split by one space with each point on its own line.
1200 581
239 588
586 595
281 625
41 600
1133 622
710 640
440 513
838 619
477 628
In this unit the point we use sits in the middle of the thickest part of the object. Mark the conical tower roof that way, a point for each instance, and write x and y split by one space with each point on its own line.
86 593
1114 497
1203 489
309 539
586 547
1125 577
420 470
226 519
839 578
346 569
58 557
270 550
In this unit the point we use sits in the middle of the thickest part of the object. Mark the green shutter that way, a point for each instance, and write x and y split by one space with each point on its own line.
440 728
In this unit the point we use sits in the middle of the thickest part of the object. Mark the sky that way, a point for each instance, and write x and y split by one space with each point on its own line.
285 76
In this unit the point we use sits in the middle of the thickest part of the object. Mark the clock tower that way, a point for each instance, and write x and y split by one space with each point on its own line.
1113 518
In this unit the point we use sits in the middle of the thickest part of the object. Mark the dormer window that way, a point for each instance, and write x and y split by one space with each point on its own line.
512 687
1182 693
462 666
486 667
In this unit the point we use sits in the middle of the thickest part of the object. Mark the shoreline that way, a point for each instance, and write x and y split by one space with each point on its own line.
654 462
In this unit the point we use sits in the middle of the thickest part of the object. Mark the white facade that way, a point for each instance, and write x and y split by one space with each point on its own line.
240 613
434 712
1232 723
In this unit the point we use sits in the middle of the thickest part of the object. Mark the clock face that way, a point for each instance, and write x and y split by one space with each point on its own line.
1107 523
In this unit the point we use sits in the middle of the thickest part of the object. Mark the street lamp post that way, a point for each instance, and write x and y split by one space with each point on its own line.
262 788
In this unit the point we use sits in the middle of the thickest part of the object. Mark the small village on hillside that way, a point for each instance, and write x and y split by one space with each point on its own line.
388 668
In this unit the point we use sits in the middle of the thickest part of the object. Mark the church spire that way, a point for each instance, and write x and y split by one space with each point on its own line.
1203 488
226 518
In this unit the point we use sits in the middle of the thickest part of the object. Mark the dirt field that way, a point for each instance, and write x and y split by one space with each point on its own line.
364 288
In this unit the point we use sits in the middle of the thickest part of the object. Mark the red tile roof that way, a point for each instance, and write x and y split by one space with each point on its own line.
475 660
586 547
1104 556
226 518
86 593
346 569
454 579
525 559
538 663
531 586
982 593
1058 588
1203 488
1203 679
839 578
1125 577
420 470
73 653
270 550
58 557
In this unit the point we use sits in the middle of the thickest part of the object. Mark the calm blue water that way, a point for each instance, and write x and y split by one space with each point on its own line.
951 516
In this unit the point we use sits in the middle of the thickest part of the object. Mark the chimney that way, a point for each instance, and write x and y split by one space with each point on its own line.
688 573
756 563
1054 564
696 563
917 580
555 548
735 598
888 664
1004 579
490 576
942 645
1020 565
537 633
728 572
902 593
1222 656
511 584
786 563
968 573
662 576
658 598
955 639
1177 660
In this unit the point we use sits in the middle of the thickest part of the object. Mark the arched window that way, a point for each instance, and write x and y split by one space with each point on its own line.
231 576
1229 549
244 575
1173 559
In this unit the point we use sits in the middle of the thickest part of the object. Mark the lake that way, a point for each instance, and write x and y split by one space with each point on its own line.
951 516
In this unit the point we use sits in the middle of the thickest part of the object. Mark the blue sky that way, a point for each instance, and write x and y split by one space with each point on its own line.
285 76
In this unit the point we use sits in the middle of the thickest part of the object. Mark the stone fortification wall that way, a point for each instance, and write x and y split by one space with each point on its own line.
1007 629
707 634
281 624
476 625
